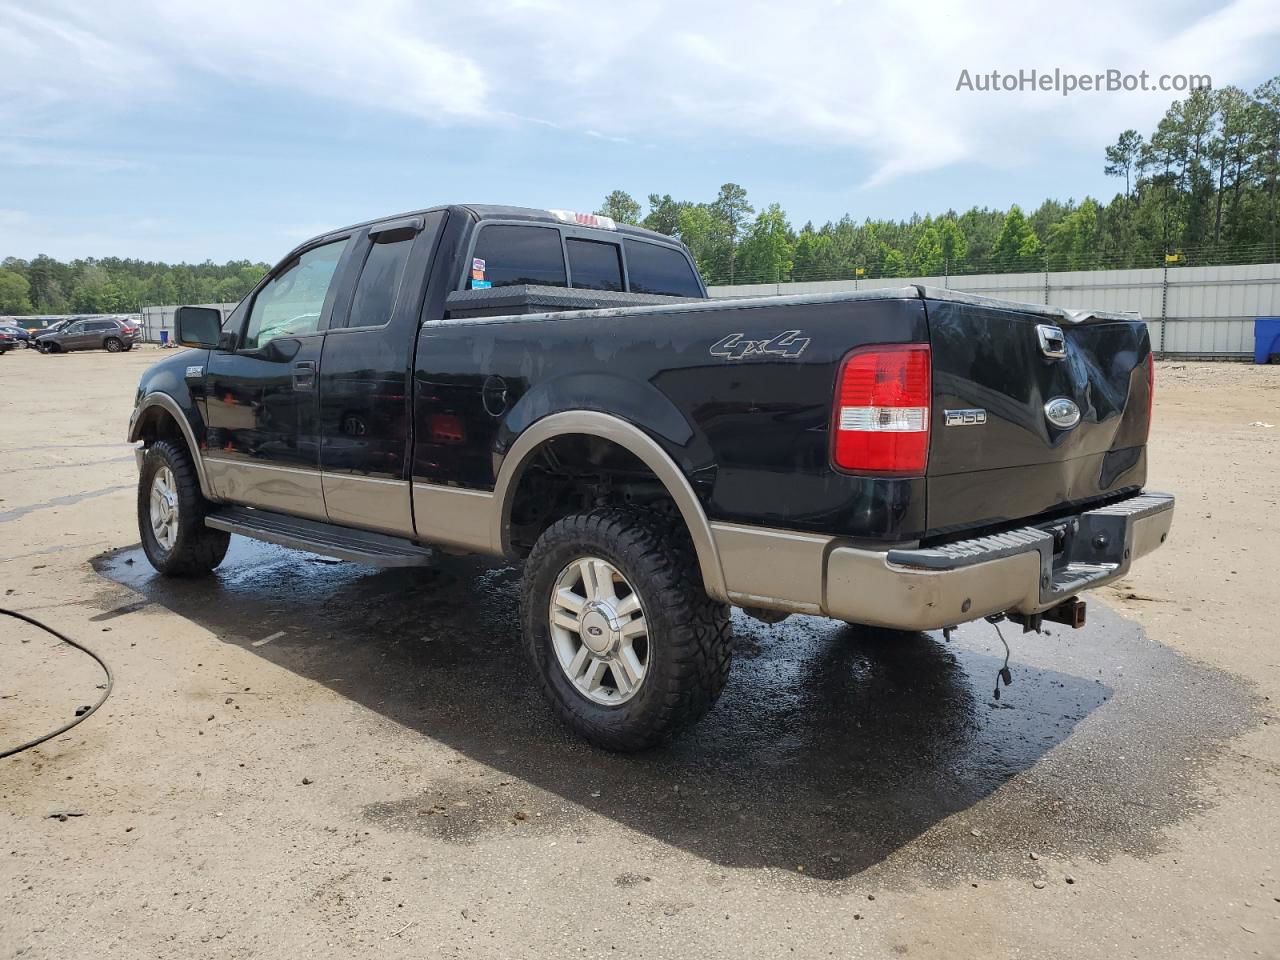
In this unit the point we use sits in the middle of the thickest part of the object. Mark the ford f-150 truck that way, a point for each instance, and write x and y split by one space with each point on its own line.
557 389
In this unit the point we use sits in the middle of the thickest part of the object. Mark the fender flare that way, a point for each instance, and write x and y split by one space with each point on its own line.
170 406
630 437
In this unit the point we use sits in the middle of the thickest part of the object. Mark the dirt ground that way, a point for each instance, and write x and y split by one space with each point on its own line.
307 757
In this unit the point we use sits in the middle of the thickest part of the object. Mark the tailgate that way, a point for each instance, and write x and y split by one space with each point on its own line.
995 455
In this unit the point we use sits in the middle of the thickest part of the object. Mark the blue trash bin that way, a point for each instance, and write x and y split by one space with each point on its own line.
1266 338
164 338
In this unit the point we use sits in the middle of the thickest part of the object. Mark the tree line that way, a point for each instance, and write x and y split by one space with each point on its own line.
1199 189
112 285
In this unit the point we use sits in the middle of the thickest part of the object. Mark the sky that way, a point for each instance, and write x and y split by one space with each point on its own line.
192 130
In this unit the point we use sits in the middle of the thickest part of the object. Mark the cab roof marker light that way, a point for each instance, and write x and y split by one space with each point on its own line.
585 219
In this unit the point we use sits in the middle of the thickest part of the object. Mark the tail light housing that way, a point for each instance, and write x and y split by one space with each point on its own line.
880 421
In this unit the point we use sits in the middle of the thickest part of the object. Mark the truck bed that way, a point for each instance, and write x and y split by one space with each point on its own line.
752 426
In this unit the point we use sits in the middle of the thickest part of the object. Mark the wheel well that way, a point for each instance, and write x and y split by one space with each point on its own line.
572 473
159 424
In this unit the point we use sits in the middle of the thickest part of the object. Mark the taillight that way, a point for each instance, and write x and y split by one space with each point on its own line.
880 423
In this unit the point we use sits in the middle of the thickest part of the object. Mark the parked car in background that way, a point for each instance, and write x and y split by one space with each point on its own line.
22 337
8 341
114 336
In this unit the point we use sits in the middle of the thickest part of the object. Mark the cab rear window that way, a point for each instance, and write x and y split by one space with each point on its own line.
595 265
518 254
663 271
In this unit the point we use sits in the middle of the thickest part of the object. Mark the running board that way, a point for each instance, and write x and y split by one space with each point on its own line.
316 536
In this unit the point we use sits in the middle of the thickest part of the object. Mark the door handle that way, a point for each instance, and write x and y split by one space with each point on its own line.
304 375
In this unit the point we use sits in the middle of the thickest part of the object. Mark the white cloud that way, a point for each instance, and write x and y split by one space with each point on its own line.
877 78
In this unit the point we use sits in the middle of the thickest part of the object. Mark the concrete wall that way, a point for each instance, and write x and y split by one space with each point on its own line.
1190 311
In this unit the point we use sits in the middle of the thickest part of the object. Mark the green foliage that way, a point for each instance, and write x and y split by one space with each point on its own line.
767 252
15 293
113 285
621 206
928 257
1017 248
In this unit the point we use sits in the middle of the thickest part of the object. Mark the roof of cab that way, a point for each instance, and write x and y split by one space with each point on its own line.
495 211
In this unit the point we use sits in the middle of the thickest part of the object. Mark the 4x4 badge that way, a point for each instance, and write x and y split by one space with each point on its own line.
735 346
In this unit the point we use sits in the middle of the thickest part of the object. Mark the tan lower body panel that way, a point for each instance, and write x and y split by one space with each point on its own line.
286 489
775 569
369 503
455 517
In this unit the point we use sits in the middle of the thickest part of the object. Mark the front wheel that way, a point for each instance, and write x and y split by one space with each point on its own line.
627 646
171 512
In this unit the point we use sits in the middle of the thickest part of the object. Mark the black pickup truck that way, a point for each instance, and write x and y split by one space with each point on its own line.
556 388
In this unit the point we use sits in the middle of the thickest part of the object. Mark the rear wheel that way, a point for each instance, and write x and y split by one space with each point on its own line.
627 646
113 344
171 512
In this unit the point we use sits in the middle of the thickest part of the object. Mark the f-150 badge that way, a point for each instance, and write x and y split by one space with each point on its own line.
735 346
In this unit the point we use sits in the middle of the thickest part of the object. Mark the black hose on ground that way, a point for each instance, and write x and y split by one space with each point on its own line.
82 717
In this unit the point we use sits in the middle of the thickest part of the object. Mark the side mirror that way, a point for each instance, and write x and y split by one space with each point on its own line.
198 326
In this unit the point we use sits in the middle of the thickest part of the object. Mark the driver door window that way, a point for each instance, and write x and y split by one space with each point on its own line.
292 302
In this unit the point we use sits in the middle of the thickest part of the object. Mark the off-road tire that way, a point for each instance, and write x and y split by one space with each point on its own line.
197 548
690 642
113 344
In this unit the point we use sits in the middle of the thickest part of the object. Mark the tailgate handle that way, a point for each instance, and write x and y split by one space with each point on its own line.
1053 342
304 375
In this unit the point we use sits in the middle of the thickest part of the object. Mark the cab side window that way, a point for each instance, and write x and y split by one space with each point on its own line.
379 286
292 301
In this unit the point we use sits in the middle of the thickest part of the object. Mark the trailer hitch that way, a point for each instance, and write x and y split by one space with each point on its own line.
1070 612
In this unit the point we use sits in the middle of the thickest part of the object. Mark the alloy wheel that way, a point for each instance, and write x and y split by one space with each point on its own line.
164 507
599 631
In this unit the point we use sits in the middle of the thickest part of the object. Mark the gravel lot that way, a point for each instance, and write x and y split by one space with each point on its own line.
309 757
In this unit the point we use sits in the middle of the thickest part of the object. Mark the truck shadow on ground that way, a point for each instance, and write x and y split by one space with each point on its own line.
833 749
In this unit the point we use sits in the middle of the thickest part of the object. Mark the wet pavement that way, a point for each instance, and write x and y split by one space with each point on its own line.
834 749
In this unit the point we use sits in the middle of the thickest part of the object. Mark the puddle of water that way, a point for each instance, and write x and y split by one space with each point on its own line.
833 748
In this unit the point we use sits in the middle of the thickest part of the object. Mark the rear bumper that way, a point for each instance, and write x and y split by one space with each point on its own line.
1028 570
927 588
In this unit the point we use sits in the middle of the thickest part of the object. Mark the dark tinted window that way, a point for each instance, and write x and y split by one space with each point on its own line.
595 265
100 325
517 254
380 280
660 270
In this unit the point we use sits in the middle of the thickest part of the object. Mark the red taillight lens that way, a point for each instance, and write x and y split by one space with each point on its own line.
880 423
